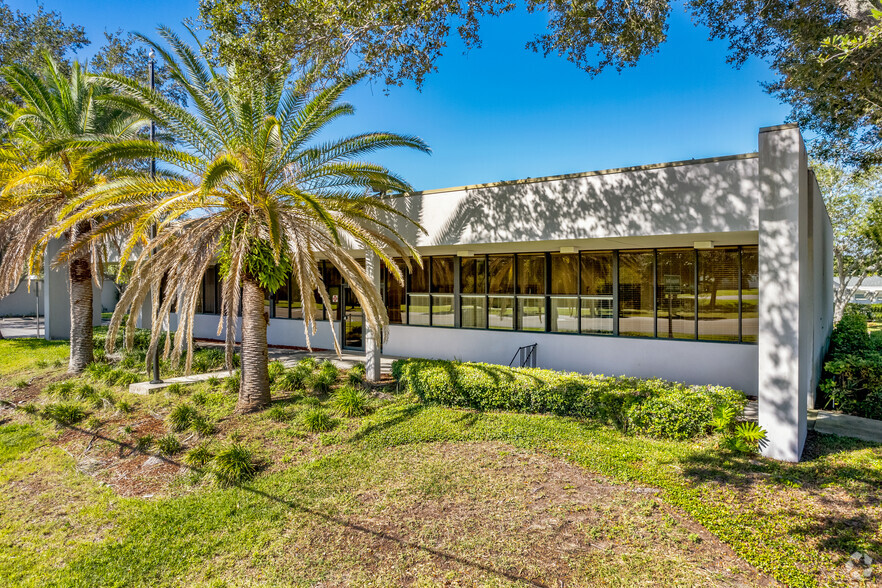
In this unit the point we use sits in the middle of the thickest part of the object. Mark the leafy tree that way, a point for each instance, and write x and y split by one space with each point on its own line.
24 37
852 201
256 191
398 41
46 164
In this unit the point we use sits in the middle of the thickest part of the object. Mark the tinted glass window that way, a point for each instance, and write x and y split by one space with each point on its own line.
636 294
564 273
442 275
675 294
501 273
531 274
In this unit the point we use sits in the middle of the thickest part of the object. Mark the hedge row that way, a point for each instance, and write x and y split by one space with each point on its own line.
649 406
852 379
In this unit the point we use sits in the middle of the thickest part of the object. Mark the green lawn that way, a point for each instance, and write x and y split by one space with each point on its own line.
423 495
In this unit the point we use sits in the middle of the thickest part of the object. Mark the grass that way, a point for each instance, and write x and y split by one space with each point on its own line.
26 358
414 494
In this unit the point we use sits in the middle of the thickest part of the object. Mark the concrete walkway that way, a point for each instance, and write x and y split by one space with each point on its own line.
289 357
836 423
20 327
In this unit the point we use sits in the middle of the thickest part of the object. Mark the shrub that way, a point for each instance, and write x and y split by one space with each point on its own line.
357 374
234 464
317 420
232 383
850 335
144 442
125 407
97 371
308 363
654 407
683 413
176 389
350 402
324 377
202 426
199 456
181 416
62 390
64 413
207 360
213 382
279 414
854 384
275 369
169 444
852 379
293 379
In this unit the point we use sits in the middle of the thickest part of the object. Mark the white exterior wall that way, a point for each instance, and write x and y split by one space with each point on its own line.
692 362
684 198
283 332
21 302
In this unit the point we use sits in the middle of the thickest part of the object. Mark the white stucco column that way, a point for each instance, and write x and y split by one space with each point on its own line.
785 316
144 320
56 295
96 302
371 343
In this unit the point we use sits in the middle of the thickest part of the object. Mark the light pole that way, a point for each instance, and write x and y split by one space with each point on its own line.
156 379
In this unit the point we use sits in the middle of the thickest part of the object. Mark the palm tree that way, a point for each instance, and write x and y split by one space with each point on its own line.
45 166
253 190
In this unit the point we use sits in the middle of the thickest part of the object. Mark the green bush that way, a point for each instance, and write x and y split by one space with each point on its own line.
293 379
279 414
144 442
199 456
234 464
169 444
202 426
324 377
682 413
181 417
317 420
350 402
64 413
850 335
650 406
852 379
356 375
231 384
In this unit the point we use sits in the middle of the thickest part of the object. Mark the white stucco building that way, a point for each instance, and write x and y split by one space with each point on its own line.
712 271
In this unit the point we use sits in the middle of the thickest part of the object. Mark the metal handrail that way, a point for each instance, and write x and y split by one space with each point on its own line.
527 354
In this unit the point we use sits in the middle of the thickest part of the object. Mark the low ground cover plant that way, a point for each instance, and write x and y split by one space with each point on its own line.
852 380
647 406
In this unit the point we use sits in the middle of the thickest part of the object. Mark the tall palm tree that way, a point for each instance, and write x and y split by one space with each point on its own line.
45 166
254 190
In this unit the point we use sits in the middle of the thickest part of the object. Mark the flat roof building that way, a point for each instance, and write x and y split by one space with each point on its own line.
712 271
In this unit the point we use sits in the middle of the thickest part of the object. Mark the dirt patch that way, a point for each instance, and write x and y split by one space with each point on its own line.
466 514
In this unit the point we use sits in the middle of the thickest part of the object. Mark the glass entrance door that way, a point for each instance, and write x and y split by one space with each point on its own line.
353 321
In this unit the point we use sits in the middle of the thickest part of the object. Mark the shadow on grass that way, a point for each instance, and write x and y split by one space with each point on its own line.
401 415
359 528
840 523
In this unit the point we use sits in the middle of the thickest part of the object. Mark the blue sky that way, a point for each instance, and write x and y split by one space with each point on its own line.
501 112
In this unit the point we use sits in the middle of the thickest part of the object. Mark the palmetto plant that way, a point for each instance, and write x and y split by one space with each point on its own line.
45 166
256 191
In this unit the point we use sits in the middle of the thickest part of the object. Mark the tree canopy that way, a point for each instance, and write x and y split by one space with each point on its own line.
396 42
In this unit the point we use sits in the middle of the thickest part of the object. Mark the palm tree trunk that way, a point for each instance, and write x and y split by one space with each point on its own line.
254 390
80 270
